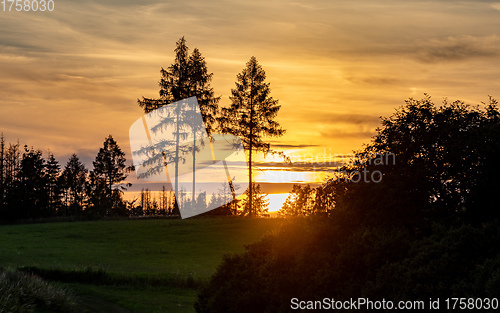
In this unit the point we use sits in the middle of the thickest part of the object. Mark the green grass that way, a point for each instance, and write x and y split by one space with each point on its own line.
148 299
24 293
130 250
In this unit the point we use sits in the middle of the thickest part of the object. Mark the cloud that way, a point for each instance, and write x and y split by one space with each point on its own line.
458 48
304 5
345 125
356 119
291 146
69 78
374 80
345 134
300 165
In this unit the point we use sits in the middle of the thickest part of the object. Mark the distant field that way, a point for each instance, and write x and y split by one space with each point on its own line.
183 250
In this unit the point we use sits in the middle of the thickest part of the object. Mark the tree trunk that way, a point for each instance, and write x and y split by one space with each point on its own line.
177 142
250 157
194 163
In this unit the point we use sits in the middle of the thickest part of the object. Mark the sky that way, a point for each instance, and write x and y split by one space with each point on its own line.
71 77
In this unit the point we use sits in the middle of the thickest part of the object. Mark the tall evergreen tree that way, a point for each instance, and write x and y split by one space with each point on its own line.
187 77
12 164
2 171
31 185
174 81
98 204
52 173
256 202
109 165
199 84
252 113
73 179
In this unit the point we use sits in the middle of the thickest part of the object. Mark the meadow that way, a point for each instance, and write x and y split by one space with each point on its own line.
149 266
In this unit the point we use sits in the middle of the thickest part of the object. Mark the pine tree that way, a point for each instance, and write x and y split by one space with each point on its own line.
98 198
52 172
109 165
31 185
12 164
251 114
2 171
256 201
300 202
187 77
73 179
199 84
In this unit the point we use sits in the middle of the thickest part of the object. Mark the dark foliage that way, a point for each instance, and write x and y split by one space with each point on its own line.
312 259
73 180
34 188
252 116
444 167
429 229
187 77
109 172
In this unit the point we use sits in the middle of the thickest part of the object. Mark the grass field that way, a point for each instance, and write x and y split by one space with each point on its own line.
149 265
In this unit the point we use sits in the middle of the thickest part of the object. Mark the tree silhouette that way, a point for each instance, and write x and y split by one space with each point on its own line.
251 114
52 173
34 187
445 166
109 165
187 77
99 200
430 228
300 202
199 84
73 179
174 86
31 185
256 201
2 171
11 167
223 201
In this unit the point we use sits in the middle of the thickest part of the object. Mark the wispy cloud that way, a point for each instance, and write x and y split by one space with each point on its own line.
374 80
458 48
496 6
291 146
71 77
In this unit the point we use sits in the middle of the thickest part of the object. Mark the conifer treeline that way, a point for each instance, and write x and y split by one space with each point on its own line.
33 187
152 203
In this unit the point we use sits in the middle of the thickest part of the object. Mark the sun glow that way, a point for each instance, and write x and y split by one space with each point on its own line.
276 201
302 177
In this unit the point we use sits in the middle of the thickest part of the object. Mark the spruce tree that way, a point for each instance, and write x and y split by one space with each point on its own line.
187 77
52 173
251 115
109 165
73 180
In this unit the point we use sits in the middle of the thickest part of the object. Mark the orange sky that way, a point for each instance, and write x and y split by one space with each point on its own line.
70 77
